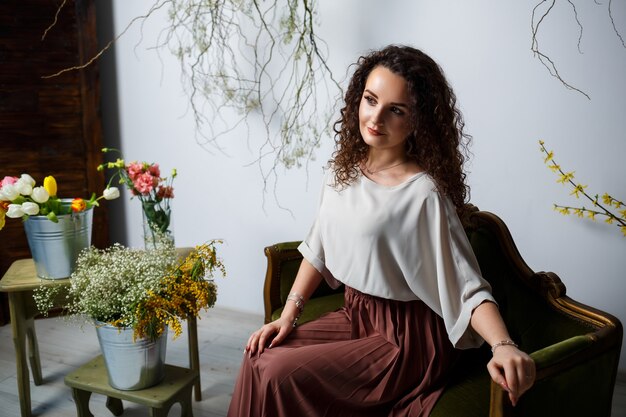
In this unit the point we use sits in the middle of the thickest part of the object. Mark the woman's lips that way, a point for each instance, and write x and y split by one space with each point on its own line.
374 132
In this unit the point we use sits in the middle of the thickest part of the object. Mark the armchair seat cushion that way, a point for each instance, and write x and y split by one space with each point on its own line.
468 390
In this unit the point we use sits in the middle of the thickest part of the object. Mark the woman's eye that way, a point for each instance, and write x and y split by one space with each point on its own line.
369 99
397 110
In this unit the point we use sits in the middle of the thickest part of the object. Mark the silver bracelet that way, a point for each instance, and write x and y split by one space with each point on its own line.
506 342
299 300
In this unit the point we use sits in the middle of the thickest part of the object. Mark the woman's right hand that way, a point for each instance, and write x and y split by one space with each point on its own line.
275 331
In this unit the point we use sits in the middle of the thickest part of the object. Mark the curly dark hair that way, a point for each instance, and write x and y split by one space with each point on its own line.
436 142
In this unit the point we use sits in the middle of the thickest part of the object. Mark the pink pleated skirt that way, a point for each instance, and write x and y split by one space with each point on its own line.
374 357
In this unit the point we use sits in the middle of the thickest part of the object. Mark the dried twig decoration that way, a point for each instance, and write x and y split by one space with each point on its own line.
243 58
546 60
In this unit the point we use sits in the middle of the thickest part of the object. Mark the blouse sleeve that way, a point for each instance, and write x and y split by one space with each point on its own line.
312 247
457 286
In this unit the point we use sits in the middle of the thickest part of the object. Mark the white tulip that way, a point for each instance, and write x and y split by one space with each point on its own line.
9 192
40 195
32 209
23 186
111 193
15 211
27 179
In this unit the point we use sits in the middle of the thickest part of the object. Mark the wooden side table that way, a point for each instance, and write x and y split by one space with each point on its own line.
19 282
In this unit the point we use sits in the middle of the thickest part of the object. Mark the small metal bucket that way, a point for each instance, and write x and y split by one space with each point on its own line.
131 365
55 246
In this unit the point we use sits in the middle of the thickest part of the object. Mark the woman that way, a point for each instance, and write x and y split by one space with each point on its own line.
387 228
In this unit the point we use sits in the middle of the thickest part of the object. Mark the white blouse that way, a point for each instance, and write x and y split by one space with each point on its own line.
402 242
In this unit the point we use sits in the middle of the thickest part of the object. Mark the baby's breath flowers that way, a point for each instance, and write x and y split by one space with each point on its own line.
612 209
139 289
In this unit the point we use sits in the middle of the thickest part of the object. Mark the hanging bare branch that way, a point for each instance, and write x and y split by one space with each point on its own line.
580 26
543 58
613 24
106 47
255 60
546 60
54 22
250 61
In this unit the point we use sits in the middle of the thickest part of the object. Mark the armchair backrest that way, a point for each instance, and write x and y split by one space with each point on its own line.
526 299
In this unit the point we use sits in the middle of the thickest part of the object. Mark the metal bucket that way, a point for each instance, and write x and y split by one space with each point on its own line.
131 365
55 246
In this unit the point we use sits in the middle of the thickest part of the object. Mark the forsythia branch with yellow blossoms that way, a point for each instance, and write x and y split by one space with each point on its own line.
613 209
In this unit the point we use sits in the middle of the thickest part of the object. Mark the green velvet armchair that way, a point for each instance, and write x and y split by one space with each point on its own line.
576 347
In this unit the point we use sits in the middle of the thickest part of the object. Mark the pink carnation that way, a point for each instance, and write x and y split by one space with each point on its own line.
145 183
8 180
154 170
135 169
165 192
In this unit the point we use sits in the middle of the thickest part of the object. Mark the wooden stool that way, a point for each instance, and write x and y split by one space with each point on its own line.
176 387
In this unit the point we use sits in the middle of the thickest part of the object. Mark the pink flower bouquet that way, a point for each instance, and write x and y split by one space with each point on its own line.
155 192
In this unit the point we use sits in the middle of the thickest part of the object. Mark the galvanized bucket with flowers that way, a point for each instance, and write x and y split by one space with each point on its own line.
57 228
134 296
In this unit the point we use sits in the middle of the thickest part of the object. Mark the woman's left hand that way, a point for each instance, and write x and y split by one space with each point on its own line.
513 370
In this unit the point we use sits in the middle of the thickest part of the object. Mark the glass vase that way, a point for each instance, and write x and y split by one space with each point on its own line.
158 227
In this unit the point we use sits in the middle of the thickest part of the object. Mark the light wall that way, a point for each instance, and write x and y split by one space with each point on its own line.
508 98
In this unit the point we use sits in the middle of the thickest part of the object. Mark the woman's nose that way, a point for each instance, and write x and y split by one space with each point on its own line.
377 115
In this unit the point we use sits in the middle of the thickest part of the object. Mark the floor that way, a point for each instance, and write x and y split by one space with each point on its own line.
221 333
63 346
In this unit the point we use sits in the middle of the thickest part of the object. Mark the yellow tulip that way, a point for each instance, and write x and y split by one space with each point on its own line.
2 216
50 184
